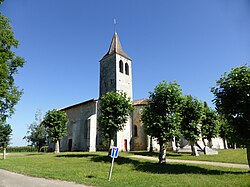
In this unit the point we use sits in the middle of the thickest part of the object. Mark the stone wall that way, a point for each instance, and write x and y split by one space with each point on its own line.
108 68
123 80
139 139
81 127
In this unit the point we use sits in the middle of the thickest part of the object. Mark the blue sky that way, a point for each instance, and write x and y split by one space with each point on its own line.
192 42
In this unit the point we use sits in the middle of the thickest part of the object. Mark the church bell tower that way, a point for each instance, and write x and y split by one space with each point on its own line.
116 74
116 70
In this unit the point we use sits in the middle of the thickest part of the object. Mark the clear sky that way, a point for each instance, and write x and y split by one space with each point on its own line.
192 42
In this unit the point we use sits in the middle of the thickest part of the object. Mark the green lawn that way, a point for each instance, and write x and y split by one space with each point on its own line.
93 169
237 156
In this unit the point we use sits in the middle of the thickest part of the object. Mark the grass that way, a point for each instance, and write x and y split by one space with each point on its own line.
93 169
237 156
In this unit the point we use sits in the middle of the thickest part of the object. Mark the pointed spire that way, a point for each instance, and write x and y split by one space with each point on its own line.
116 48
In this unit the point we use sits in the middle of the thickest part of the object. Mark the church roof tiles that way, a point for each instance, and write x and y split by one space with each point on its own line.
78 104
115 48
135 103
140 102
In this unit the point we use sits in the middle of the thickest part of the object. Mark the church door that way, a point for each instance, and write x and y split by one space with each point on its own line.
125 145
70 145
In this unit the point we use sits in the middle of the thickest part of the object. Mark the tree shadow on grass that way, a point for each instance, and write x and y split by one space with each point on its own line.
152 167
101 158
34 154
76 155
170 168
120 160
180 169
155 154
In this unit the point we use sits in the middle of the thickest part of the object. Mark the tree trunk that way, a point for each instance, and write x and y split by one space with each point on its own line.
234 146
4 153
111 145
162 154
225 143
194 150
204 142
205 149
248 155
39 148
210 144
57 150
151 150
174 148
205 145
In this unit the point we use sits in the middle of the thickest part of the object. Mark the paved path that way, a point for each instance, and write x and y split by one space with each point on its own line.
241 166
10 179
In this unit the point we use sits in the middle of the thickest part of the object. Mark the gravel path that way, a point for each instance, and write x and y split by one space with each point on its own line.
10 179
241 166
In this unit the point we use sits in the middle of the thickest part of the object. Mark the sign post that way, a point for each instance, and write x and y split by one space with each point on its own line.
114 154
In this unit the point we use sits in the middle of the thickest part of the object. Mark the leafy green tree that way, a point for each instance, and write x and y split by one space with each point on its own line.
209 124
9 64
191 118
232 99
161 116
36 134
115 109
55 122
5 132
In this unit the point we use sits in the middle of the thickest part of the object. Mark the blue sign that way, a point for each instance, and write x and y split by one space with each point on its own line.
114 152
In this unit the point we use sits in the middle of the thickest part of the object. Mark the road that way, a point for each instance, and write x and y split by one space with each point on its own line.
10 179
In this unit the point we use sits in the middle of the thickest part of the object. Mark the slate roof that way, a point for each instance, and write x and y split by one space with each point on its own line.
115 48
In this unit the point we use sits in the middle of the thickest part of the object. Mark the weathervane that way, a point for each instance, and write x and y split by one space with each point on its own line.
115 25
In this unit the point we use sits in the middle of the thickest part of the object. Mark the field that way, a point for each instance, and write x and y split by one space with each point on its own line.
93 169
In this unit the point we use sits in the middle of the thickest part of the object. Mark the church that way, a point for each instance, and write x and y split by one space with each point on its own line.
82 129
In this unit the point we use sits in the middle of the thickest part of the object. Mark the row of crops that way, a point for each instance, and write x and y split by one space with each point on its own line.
18 149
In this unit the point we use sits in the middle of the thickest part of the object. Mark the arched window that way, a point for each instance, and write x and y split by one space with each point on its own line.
126 69
135 131
121 66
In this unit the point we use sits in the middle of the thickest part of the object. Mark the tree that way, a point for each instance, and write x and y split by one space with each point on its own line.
55 122
115 109
161 116
209 125
232 99
5 132
36 134
191 112
9 64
